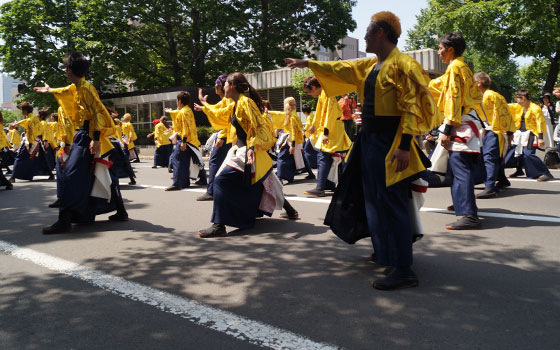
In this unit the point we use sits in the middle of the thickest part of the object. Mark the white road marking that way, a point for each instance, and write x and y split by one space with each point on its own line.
433 210
233 325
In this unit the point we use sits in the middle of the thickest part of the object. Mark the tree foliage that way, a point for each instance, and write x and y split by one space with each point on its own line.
156 43
496 30
297 77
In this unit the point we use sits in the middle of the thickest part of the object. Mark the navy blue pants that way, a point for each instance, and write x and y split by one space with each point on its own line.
491 157
162 154
235 204
310 154
285 164
462 166
59 177
534 167
181 166
324 163
26 169
121 165
386 208
217 157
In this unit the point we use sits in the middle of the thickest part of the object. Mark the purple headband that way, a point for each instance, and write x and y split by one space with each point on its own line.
221 81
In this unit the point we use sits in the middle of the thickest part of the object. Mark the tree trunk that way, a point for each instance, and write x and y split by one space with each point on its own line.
173 56
552 75
264 35
197 71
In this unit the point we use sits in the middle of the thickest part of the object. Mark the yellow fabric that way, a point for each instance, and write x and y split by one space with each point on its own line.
65 97
278 119
401 89
184 124
308 124
295 128
15 137
32 126
49 132
3 138
64 128
219 116
118 131
128 131
162 134
327 117
456 91
260 134
534 118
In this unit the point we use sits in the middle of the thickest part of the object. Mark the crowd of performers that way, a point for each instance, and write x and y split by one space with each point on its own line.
412 133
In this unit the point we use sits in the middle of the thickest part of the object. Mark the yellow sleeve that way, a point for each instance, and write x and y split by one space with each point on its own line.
503 119
341 77
278 119
219 115
453 97
189 127
65 98
541 122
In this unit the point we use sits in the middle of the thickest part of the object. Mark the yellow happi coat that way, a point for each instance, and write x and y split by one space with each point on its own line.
127 129
496 112
327 116
81 102
400 90
3 138
456 91
534 118
219 111
32 126
184 125
162 134
308 124
259 130
14 137
294 126
49 132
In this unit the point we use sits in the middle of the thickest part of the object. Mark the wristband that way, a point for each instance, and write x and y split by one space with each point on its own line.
326 132
509 133
96 135
185 139
405 142
540 135
447 129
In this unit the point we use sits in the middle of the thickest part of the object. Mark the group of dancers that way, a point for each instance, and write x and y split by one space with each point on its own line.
378 179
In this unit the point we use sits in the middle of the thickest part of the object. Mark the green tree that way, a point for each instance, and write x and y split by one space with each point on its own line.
495 31
298 76
11 116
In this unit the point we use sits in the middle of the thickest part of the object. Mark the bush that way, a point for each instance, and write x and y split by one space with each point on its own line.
204 133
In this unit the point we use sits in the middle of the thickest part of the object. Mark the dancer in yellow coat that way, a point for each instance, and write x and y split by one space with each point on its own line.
397 106
129 136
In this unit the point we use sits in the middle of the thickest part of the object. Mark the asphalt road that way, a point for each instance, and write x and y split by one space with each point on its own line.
290 284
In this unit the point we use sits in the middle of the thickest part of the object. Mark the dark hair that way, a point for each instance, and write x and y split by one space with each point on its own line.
54 116
267 105
77 63
391 36
306 108
184 97
523 93
547 95
484 79
311 81
163 120
43 114
241 85
26 106
454 40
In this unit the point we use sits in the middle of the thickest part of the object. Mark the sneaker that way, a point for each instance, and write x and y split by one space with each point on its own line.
503 184
55 204
292 216
51 177
517 174
173 188
119 217
57 228
201 182
467 222
154 167
205 197
216 230
450 207
545 178
315 192
132 182
487 193
397 278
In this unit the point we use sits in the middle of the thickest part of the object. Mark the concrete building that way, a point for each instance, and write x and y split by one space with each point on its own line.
351 50
8 91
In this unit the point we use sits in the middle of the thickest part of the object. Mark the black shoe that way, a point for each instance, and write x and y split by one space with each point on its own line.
450 207
154 167
205 197
8 172
503 184
216 230
51 177
310 177
201 182
467 222
517 173
57 228
9 187
119 217
292 215
13 180
416 237
373 257
173 188
132 182
487 193
315 192
545 178
137 160
398 278
55 204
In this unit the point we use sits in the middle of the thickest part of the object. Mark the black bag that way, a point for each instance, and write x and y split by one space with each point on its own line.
552 159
